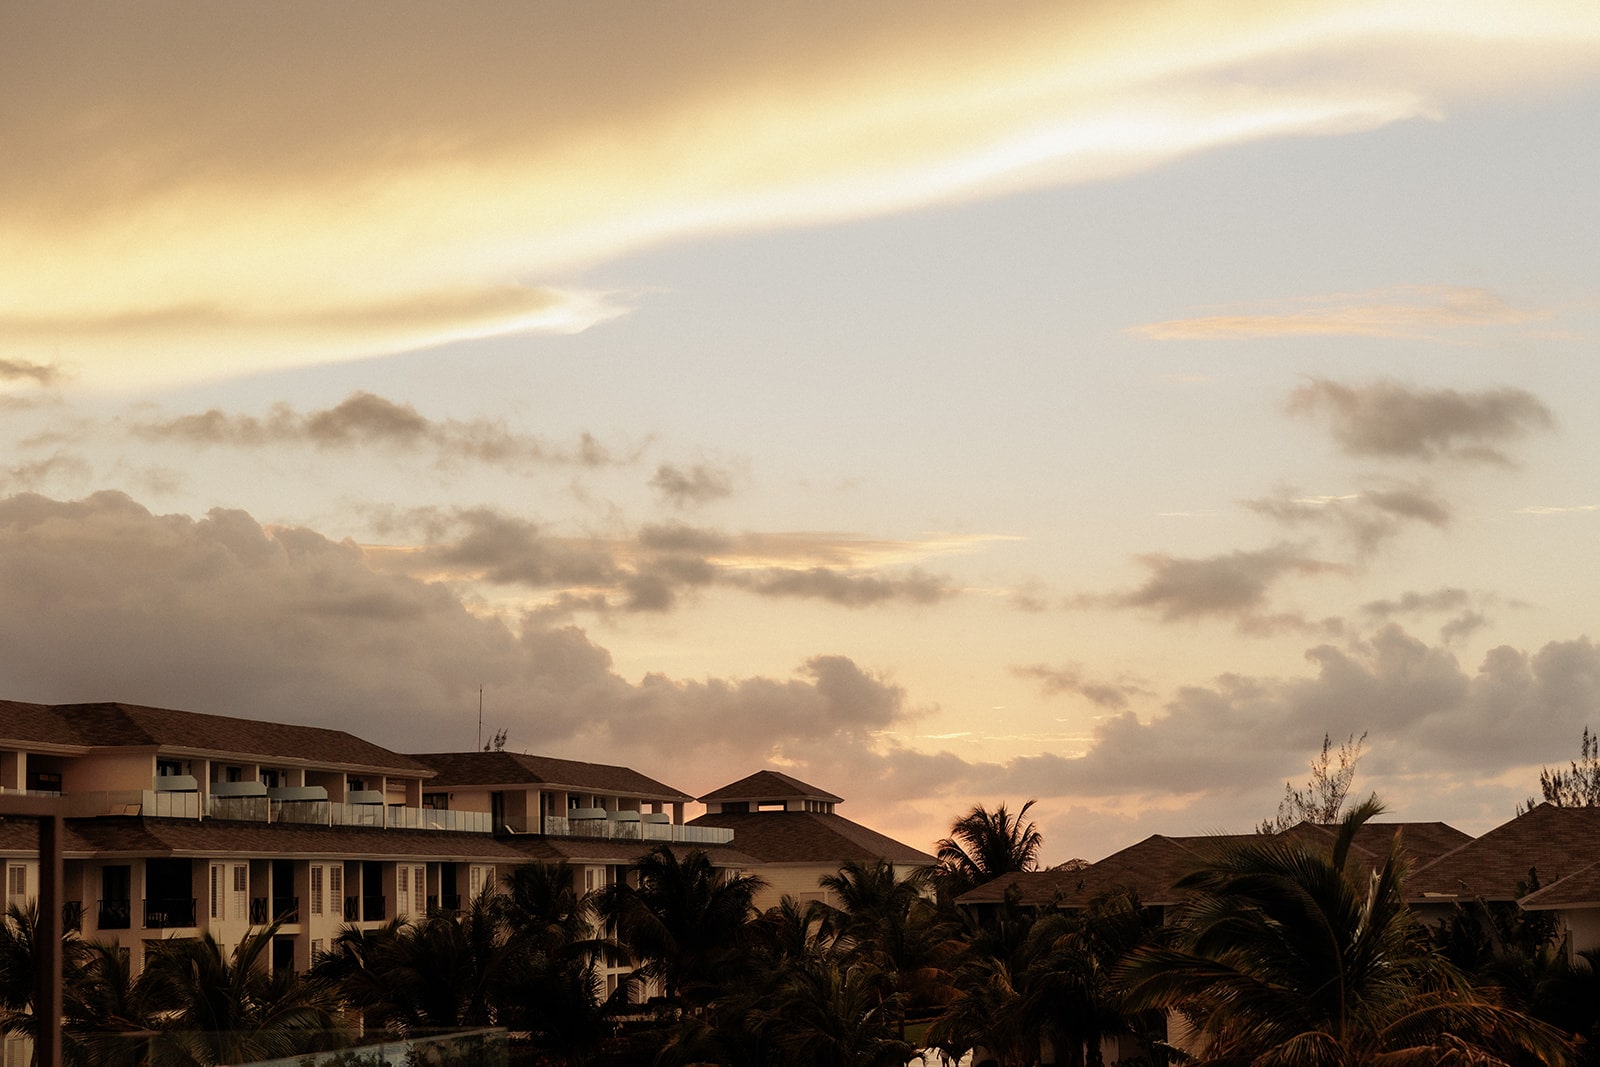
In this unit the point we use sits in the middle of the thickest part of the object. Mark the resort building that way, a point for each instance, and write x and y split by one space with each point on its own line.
178 823
794 834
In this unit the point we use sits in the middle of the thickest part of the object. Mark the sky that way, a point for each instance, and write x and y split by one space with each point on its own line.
945 404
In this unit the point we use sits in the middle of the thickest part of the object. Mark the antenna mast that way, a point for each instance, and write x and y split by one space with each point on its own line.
480 715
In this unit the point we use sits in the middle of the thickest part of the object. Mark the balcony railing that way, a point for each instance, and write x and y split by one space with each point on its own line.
286 908
448 905
618 830
164 913
115 915
372 909
175 805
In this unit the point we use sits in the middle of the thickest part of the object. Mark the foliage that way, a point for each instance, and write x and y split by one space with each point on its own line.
683 921
1576 787
1322 799
1027 982
1286 954
218 1008
985 844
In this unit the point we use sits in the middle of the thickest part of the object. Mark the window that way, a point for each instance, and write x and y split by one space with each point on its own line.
474 880
234 774
402 890
436 801
167 767
241 891
17 882
316 889
217 872
336 889
419 885
316 949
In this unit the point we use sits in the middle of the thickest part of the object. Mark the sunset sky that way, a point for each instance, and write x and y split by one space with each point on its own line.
943 403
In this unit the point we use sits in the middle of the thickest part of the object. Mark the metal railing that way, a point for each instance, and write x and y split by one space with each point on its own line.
115 915
164 913
175 805
619 830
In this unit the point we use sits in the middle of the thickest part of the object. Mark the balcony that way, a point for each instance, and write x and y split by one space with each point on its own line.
629 830
167 804
165 913
286 909
372 909
115 915
448 905
72 915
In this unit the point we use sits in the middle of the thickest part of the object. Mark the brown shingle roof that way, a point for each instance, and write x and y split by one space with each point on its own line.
1150 867
122 725
514 768
604 850
1580 889
133 835
809 837
37 723
1555 842
769 785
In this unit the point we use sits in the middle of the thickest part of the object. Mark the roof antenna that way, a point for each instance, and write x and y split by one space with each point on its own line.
480 716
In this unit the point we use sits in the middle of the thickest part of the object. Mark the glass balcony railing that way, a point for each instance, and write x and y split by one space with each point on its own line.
619 830
185 805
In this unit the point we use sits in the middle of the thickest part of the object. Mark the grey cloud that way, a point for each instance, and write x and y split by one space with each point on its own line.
1232 585
367 420
1111 695
678 538
847 590
1414 603
1366 519
219 614
488 544
685 486
1392 420
18 370
505 549
34 473
1462 626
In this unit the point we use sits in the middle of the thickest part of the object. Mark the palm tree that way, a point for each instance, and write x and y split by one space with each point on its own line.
985 844
550 985
832 1015
887 924
683 922
429 974
1286 954
108 1023
230 1009
19 966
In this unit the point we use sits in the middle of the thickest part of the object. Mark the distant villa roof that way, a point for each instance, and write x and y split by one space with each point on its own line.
1557 843
769 785
461 769
1150 867
82 727
810 837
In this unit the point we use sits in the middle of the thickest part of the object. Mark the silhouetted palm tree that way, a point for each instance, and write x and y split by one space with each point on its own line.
228 1009
1287 954
427 974
683 922
985 844
19 965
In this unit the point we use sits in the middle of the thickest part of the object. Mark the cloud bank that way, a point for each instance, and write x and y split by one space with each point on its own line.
356 178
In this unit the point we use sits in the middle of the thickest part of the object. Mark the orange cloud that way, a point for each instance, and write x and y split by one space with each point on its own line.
197 189
1419 312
